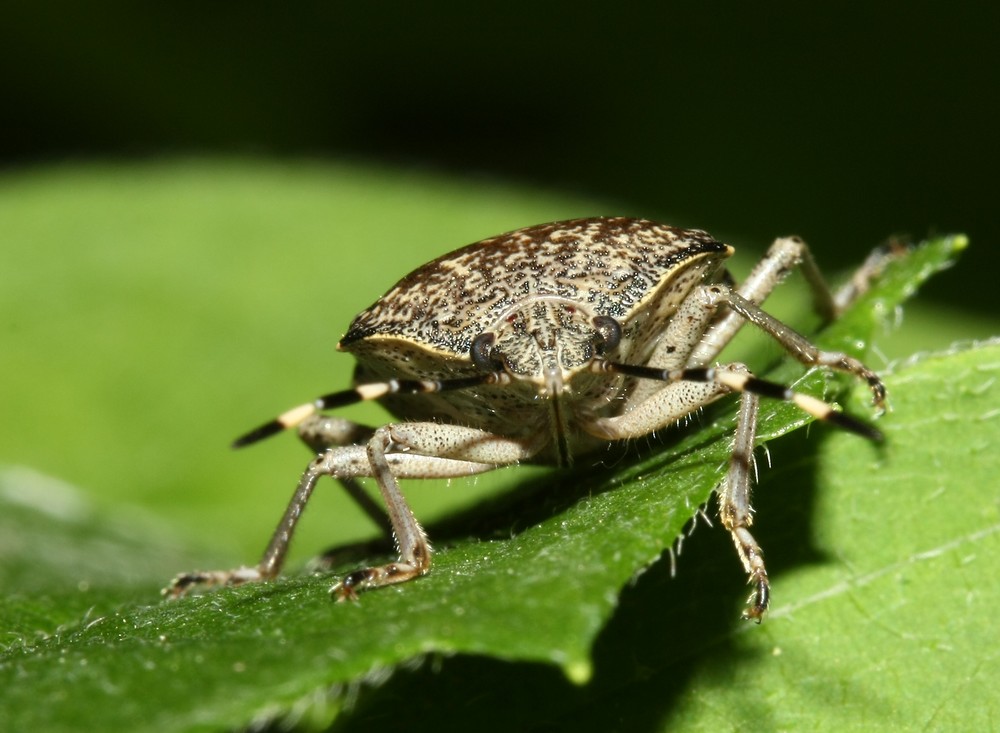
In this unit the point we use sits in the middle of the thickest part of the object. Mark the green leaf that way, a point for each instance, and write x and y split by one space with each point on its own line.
528 587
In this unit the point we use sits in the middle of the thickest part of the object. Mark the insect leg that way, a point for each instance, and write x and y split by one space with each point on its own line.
870 269
798 345
783 256
427 444
346 462
693 388
683 333
322 432
735 510
411 540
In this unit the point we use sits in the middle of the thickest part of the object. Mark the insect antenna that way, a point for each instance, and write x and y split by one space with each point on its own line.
360 393
740 381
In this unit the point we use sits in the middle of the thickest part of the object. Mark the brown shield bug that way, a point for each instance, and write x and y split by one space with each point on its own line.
541 345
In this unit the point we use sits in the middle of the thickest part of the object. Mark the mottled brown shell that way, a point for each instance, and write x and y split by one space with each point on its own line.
536 291
611 264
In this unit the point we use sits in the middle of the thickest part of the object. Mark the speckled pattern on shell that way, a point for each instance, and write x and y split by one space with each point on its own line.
611 264
537 291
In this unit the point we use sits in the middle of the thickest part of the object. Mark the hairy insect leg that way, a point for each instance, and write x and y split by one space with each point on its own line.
683 333
411 540
322 432
411 450
784 255
706 300
346 462
735 510
669 404
870 269
687 390
710 316
433 442
798 345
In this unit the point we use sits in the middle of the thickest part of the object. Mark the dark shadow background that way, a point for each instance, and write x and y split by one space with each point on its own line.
845 123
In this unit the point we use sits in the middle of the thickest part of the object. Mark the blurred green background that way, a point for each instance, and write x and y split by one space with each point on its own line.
196 197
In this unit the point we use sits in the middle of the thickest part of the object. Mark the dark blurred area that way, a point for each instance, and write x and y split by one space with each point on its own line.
845 123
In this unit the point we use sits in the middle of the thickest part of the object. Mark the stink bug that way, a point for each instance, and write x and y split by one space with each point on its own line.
542 345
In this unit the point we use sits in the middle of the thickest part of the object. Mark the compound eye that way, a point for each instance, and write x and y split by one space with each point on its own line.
609 333
482 352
